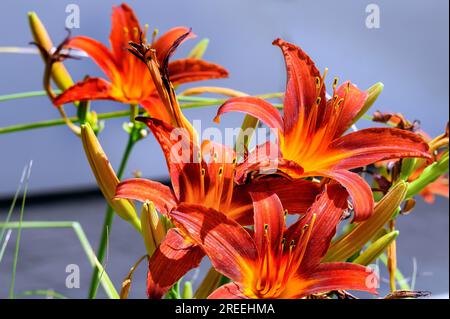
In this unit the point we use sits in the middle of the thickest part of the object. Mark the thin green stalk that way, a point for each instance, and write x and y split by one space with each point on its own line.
58 122
24 95
19 233
401 280
106 282
109 217
45 293
13 204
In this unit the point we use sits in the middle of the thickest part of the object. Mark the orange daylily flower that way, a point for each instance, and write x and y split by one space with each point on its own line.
209 183
128 78
275 261
310 132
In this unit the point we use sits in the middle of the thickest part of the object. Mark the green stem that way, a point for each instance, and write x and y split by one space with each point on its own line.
19 234
58 122
24 95
109 217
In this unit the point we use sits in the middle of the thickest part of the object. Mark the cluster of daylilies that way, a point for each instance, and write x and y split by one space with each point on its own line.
301 215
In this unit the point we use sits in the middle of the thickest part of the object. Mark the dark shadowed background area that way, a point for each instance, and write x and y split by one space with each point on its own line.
408 53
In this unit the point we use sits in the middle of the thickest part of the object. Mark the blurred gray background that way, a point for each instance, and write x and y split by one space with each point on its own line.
408 53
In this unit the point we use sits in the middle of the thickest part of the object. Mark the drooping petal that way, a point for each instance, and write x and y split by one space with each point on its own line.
373 145
89 89
329 208
269 221
124 28
296 195
99 53
354 100
229 291
156 109
181 155
171 260
227 244
146 190
165 41
256 107
304 84
265 160
332 276
191 70
357 188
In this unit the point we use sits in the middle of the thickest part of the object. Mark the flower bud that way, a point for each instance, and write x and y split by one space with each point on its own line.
106 177
153 229
60 75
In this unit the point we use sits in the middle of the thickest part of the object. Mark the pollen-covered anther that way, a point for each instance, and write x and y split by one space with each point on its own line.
220 170
317 80
335 83
292 244
266 228
318 100
286 212
203 172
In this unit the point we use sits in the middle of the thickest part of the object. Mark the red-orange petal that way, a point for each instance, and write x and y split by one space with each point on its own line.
165 41
265 160
227 244
181 157
269 221
171 261
191 70
296 195
329 208
333 276
124 27
89 89
146 190
357 188
256 107
354 100
229 291
302 86
99 53
373 145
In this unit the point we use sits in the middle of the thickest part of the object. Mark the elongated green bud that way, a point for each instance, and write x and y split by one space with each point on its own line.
60 75
376 249
106 177
153 229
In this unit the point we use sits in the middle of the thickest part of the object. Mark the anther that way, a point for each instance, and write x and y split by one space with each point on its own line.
335 82
286 212
292 244
317 79
203 172
220 170
318 100
266 227
283 242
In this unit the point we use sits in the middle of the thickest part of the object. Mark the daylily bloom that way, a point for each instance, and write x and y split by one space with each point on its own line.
311 128
275 261
203 176
128 78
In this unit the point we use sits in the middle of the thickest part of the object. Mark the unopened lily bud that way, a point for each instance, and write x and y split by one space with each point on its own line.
153 229
407 168
376 249
199 50
373 93
187 290
363 232
106 177
60 75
